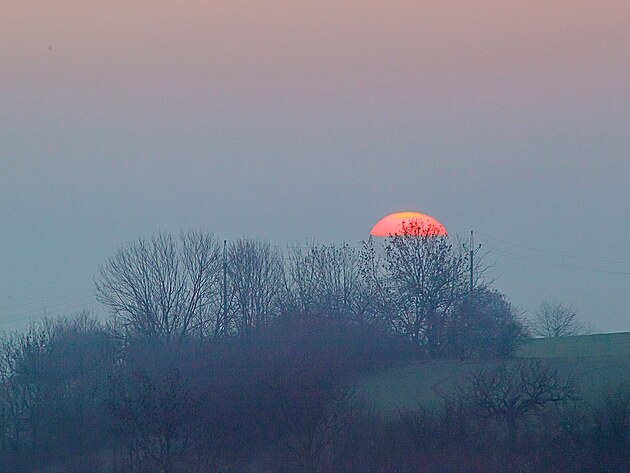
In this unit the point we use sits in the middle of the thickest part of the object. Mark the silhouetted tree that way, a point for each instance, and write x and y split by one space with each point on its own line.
555 319
484 324
165 288
421 278
255 274
54 387
324 281
509 392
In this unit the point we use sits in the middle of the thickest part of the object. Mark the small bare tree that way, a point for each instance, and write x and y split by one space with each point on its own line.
555 319
165 288
509 392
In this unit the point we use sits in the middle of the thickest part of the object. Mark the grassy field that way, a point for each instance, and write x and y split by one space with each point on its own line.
593 362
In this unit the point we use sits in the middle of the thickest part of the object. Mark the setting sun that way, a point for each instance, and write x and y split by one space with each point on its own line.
393 224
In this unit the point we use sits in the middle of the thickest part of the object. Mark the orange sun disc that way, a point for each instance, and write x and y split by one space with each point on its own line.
414 223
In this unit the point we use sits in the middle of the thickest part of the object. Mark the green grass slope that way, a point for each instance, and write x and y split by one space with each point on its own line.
592 362
603 344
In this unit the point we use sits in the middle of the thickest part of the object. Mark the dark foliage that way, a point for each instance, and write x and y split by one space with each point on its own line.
484 325
53 393
247 362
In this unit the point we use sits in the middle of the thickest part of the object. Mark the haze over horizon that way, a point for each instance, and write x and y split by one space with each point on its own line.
310 121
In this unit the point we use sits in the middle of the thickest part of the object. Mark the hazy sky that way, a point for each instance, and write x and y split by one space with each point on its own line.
295 120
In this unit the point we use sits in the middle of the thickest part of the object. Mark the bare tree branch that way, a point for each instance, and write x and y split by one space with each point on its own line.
255 273
555 319
164 288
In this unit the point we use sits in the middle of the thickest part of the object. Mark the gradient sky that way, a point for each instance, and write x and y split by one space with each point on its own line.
311 120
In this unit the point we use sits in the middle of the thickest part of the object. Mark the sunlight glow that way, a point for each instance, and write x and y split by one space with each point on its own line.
393 224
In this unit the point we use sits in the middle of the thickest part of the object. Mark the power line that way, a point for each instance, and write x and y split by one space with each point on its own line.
58 306
46 300
553 264
565 255
44 313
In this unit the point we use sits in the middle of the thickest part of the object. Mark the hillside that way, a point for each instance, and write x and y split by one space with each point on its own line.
602 344
593 362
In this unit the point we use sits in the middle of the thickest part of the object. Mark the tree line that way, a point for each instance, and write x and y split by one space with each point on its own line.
168 289
239 357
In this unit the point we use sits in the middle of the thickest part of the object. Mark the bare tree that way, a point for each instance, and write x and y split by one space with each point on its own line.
165 288
424 276
338 283
300 279
555 319
510 392
255 275
374 298
323 280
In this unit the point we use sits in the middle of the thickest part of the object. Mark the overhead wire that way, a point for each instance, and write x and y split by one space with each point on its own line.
24 304
565 255
528 259
45 313
55 308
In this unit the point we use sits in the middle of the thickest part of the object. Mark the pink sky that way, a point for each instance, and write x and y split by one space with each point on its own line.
571 43
293 120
